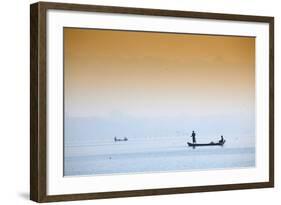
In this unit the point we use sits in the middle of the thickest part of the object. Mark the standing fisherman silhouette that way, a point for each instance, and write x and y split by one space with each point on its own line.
193 137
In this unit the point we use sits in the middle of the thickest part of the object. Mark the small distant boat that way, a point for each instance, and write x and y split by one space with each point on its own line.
220 143
120 139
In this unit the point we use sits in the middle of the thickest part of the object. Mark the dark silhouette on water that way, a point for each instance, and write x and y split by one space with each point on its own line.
120 139
193 137
221 140
194 144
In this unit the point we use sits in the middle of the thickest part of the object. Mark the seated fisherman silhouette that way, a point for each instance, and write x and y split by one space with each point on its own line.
193 137
221 140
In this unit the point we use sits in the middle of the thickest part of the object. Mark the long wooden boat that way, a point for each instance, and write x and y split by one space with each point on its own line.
206 144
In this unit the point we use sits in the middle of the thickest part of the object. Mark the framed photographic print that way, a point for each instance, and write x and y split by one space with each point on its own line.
134 102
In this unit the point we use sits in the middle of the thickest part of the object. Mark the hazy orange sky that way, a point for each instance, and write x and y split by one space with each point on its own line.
149 74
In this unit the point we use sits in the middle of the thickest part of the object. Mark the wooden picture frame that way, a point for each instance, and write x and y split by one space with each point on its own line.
39 111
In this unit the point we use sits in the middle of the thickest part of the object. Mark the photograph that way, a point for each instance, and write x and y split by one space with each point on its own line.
138 102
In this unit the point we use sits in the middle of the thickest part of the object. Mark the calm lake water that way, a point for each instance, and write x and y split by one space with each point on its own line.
94 158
